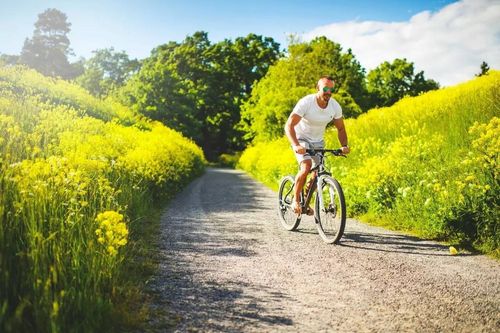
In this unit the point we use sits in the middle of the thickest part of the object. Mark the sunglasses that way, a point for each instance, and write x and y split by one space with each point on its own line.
326 89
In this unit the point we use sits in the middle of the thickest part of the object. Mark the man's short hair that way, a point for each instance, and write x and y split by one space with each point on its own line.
327 77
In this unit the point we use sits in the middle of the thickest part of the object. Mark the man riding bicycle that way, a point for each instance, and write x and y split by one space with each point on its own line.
305 129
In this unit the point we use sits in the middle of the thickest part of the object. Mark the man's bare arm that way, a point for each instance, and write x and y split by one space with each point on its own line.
342 134
293 120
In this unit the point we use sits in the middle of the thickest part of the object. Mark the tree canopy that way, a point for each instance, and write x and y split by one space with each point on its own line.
9 59
390 82
197 87
106 71
294 76
222 95
47 51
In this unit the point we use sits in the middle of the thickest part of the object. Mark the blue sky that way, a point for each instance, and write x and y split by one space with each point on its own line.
137 26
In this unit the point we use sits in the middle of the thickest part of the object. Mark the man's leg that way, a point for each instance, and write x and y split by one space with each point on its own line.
310 183
300 179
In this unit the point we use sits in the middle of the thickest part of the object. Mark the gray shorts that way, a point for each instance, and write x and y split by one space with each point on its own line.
306 156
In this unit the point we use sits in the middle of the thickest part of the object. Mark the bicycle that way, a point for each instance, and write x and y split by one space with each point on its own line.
330 209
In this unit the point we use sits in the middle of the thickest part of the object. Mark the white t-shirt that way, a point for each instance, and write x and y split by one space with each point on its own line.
314 119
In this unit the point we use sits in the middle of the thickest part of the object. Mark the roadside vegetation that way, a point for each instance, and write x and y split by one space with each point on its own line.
77 178
428 164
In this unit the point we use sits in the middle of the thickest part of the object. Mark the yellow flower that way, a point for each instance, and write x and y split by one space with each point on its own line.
55 309
470 178
111 250
122 242
112 231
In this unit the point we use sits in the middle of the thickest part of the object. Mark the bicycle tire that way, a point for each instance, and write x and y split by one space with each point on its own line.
330 210
289 220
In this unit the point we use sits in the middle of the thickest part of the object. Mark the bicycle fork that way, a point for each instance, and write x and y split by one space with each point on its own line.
331 205
321 204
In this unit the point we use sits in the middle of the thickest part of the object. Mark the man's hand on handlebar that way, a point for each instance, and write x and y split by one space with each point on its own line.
345 150
299 149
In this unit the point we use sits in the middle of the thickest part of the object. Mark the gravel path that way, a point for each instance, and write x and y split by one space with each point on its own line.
228 266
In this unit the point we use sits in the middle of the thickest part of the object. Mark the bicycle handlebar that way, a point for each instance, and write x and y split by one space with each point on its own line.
336 152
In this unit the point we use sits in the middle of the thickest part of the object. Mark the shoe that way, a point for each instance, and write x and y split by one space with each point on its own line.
309 211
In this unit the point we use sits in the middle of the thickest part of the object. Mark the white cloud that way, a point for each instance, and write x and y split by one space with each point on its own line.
448 45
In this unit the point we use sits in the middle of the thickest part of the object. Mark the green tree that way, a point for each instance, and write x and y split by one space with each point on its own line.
47 51
292 77
390 82
197 87
236 66
249 59
484 69
107 70
156 92
8 59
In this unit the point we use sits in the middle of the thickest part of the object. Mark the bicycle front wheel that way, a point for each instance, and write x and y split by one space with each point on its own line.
330 210
289 220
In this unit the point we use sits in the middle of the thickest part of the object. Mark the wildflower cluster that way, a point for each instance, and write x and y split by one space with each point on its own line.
487 145
112 231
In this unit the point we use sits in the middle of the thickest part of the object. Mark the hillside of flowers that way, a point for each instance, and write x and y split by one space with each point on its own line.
75 173
428 164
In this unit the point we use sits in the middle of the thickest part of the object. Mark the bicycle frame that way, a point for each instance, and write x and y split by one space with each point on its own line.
329 200
318 171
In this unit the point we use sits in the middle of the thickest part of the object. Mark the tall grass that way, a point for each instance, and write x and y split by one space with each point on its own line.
75 175
428 164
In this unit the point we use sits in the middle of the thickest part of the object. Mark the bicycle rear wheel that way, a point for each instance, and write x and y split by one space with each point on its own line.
289 220
330 210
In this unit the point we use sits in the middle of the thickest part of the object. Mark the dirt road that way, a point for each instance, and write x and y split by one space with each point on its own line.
228 266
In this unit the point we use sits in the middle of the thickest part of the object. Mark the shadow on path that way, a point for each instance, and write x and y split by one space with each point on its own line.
202 232
389 242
